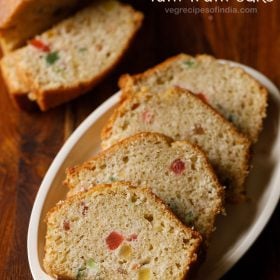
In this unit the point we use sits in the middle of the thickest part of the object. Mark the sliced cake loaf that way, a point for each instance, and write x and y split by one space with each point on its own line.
21 20
140 239
181 115
76 54
230 90
177 172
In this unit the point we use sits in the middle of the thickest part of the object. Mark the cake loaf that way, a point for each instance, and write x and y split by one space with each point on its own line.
72 57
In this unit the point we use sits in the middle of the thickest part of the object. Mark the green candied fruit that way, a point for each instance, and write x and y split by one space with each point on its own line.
112 179
52 57
189 63
231 118
89 269
82 50
81 273
92 268
91 264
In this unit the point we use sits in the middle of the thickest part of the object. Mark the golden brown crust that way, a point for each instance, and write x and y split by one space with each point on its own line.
4 47
50 98
107 129
126 80
99 189
8 9
113 149
8 13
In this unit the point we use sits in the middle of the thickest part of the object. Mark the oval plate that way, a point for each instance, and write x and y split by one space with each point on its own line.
235 233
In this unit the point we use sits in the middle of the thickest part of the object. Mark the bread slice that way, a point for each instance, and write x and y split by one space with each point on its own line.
181 115
177 172
229 90
76 54
21 20
140 239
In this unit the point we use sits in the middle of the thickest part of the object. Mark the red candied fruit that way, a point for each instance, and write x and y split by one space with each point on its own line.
178 166
136 266
114 240
132 237
84 208
202 97
39 45
147 117
198 130
66 225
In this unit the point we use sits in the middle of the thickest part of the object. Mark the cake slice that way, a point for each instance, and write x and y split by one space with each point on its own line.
21 20
229 90
118 232
177 172
181 115
72 57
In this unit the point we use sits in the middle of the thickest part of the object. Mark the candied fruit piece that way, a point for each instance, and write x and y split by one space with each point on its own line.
66 225
136 266
84 208
189 63
91 263
144 274
125 251
52 58
198 130
178 166
147 117
40 45
132 237
114 240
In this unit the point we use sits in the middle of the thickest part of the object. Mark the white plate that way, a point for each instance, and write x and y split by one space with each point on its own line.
235 233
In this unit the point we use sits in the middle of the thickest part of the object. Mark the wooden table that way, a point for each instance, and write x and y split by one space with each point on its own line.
30 141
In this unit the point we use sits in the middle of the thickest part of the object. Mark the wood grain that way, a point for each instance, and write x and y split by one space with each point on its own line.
30 141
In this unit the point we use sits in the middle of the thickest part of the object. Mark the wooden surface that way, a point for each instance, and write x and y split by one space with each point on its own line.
30 141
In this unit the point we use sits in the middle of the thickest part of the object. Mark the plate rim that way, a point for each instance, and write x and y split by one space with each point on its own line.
220 267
